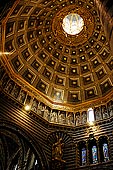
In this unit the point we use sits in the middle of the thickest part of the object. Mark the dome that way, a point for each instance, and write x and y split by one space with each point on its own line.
64 69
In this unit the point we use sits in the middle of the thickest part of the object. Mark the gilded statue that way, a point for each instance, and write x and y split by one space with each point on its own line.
57 150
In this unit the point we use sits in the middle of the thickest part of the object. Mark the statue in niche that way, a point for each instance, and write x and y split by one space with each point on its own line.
61 117
64 117
43 110
46 114
104 112
40 109
54 117
5 80
9 87
34 106
110 108
70 119
49 114
97 112
22 96
78 121
15 91
84 117
57 150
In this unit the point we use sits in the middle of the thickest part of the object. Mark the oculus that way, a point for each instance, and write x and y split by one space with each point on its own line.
73 24
71 27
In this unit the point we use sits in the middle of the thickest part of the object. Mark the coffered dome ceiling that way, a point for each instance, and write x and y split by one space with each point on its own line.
62 67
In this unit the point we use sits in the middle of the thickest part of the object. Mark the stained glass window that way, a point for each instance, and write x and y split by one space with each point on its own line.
105 152
94 154
83 156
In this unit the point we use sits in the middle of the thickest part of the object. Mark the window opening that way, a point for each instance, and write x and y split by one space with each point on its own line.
16 167
73 24
36 162
90 115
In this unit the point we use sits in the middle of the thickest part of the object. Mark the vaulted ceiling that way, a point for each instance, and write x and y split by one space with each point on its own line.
65 69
